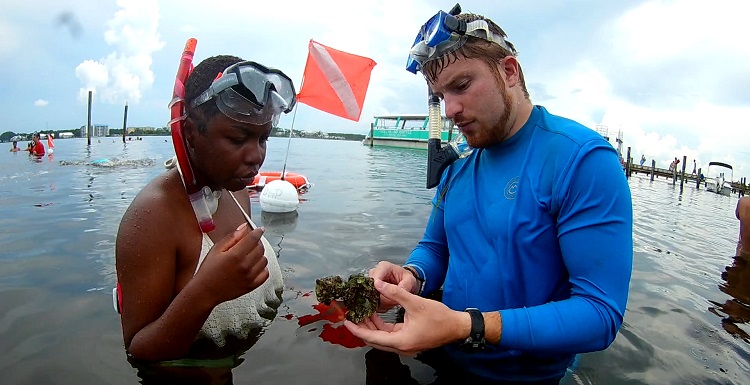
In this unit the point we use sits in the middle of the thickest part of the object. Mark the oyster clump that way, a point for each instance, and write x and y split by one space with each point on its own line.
358 294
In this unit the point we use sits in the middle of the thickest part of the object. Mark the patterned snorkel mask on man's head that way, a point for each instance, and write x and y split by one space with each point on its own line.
252 93
444 33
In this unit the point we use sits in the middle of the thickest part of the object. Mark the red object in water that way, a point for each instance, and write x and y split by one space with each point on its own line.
334 313
299 181
340 335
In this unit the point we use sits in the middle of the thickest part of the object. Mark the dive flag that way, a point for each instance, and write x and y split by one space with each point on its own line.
335 81
50 144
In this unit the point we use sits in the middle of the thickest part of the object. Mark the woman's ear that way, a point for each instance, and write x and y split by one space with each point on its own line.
188 130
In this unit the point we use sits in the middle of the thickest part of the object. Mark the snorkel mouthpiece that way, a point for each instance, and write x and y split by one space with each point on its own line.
438 159
199 201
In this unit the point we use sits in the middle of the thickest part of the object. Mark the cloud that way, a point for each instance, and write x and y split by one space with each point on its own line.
10 39
41 103
124 74
668 75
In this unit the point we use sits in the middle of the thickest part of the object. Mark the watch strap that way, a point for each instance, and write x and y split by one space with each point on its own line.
475 341
420 280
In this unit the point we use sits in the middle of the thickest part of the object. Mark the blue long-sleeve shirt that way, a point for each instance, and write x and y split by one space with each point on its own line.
538 227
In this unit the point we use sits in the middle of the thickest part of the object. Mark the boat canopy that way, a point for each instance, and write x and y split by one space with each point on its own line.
408 121
719 164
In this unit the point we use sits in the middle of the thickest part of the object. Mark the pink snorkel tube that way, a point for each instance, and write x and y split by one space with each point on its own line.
196 192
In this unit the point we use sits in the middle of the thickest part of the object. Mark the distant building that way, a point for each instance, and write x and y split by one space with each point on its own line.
96 130
146 129
66 135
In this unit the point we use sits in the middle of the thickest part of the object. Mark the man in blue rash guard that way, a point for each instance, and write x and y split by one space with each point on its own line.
530 236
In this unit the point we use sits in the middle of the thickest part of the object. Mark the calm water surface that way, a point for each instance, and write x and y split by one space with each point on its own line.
685 322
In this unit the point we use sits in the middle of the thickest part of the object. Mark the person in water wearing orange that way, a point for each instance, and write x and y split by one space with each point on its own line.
742 212
180 282
36 148
15 147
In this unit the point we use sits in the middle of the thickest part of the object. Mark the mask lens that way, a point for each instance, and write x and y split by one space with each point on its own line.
436 31
261 81
411 64
251 93
432 34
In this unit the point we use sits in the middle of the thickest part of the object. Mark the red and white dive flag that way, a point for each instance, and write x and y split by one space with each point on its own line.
335 81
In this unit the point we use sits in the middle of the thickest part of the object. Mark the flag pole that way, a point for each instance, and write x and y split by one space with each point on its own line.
291 131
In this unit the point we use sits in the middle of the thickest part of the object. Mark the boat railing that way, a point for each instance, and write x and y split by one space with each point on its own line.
408 123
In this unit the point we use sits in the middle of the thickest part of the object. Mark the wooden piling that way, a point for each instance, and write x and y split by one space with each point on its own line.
372 133
627 165
653 169
630 166
88 124
682 177
125 122
698 180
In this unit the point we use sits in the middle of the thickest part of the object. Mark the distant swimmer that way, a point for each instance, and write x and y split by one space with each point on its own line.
15 148
36 147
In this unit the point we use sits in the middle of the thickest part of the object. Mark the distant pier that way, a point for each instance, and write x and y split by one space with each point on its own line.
739 187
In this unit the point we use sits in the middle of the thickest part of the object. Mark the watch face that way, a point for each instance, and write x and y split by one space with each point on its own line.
471 346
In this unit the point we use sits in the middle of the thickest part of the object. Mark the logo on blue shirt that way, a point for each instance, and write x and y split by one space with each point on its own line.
511 188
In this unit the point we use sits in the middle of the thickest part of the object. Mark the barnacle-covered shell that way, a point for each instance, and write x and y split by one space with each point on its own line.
329 288
358 294
361 298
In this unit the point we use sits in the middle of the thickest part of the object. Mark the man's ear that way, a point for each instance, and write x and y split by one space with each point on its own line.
512 70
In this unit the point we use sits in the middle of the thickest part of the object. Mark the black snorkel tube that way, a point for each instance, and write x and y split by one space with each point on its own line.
438 159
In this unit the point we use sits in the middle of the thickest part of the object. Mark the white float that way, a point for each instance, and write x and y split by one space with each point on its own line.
279 196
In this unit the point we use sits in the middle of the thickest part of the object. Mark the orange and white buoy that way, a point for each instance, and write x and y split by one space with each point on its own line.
50 144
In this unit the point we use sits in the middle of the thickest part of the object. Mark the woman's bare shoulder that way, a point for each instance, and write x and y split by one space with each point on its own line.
161 204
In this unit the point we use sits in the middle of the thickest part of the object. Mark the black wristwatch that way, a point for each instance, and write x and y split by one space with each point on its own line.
475 342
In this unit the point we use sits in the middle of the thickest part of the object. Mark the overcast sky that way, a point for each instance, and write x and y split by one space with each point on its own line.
672 76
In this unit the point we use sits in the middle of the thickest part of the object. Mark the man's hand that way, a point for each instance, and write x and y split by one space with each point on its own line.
427 323
397 275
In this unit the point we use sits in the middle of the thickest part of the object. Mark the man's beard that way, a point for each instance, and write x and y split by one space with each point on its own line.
485 137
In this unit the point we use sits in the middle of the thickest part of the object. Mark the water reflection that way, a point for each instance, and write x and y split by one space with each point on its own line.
735 311
279 223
